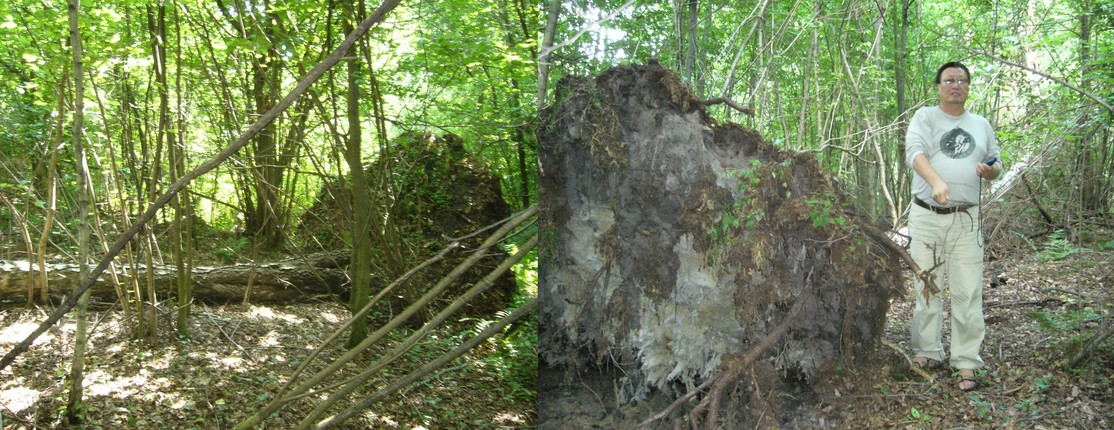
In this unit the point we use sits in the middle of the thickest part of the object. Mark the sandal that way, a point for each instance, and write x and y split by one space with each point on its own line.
928 363
973 379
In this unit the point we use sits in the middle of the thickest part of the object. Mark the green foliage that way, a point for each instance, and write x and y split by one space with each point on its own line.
1042 383
821 214
1057 247
1077 324
525 274
820 88
742 211
514 360
922 419
517 362
231 249
479 87
983 408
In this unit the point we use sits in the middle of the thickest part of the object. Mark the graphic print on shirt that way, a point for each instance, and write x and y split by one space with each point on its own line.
957 143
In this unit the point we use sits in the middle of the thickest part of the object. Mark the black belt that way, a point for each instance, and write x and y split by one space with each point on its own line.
939 210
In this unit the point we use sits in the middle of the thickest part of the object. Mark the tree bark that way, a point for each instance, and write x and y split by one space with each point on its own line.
74 406
361 197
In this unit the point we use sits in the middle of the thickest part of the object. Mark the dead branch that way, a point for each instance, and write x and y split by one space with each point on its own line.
287 395
723 100
1091 345
1033 198
376 368
925 275
1020 303
491 330
912 365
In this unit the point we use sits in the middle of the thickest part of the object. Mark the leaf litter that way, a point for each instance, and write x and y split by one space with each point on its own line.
1036 322
236 359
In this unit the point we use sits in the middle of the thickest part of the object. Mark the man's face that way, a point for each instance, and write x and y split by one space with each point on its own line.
953 86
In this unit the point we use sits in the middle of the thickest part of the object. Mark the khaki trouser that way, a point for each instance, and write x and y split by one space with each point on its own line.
955 240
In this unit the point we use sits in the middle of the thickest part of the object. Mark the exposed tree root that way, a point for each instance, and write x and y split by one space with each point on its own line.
925 275
909 360
721 100
735 366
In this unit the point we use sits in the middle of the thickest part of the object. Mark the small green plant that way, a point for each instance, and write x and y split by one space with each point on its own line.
231 249
514 361
1057 247
1042 383
983 408
1026 406
821 214
924 419
1071 322
742 210
1066 322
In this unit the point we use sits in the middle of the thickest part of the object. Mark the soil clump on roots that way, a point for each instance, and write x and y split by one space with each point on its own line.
693 272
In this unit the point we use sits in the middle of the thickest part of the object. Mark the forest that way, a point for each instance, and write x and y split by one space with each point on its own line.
836 83
242 214
271 214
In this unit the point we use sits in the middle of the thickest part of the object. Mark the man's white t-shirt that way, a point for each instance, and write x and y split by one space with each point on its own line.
953 145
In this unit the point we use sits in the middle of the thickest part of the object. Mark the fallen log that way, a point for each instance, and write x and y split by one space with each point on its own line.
277 282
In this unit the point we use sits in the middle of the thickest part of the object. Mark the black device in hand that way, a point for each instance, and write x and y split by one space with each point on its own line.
990 161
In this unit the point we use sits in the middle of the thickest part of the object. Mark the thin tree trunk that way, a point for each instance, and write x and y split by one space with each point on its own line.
52 194
547 44
74 407
1091 163
361 196
690 53
112 181
157 33
183 214
522 129
810 70
127 141
900 67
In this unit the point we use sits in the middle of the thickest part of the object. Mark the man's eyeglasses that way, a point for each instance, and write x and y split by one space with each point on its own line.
960 82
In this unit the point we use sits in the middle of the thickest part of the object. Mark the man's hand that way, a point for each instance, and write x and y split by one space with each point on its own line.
941 193
986 171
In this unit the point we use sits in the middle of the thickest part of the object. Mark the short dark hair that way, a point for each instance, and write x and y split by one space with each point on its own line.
949 65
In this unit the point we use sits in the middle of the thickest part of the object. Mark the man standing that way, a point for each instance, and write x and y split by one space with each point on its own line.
949 150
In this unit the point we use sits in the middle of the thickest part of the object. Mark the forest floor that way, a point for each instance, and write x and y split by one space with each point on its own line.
1035 323
235 360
